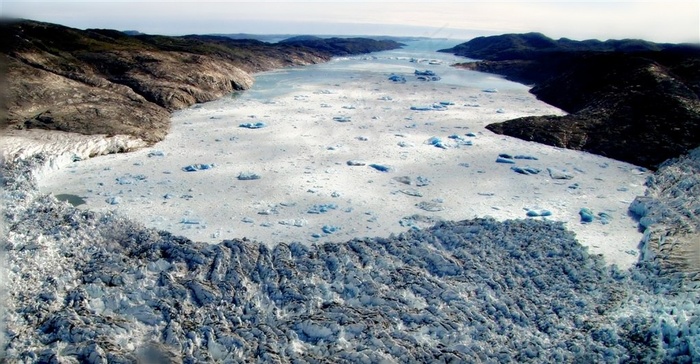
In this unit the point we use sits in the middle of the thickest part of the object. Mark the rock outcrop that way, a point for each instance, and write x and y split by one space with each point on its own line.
629 100
100 81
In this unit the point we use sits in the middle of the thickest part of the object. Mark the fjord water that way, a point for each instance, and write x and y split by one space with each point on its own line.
309 192
279 82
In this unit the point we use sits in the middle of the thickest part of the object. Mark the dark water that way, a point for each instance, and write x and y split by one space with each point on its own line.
74 200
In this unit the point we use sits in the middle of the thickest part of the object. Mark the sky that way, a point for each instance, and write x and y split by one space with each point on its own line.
659 21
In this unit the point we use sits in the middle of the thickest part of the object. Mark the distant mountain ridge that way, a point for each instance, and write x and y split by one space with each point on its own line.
103 81
630 100
342 46
530 45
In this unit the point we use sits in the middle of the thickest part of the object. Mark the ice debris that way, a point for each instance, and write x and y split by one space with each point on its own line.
321 208
504 158
257 125
525 157
397 78
412 192
538 213
113 200
198 167
525 170
586 215
381 167
130 179
559 173
248 176
430 206
293 222
424 73
330 229
436 142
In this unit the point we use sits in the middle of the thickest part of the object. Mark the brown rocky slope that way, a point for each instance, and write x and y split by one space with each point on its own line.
100 81
629 100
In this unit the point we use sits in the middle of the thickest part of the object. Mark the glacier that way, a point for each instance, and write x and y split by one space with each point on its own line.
85 286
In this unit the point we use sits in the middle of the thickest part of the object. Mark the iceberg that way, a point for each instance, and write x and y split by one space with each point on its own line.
257 125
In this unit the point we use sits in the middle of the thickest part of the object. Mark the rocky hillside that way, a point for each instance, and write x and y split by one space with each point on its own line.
629 100
100 81
342 46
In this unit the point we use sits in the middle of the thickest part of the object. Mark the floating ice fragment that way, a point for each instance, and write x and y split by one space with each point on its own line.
191 221
397 78
198 167
293 222
412 192
403 179
586 215
329 229
559 174
430 206
422 181
422 108
525 170
114 200
380 167
505 160
437 142
248 176
424 73
604 218
526 157
257 125
404 144
539 213
321 208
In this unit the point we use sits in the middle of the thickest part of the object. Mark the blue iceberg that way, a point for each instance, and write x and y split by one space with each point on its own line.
257 125
198 167
380 167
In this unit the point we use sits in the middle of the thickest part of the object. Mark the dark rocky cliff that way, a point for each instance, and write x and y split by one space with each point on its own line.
629 100
101 81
